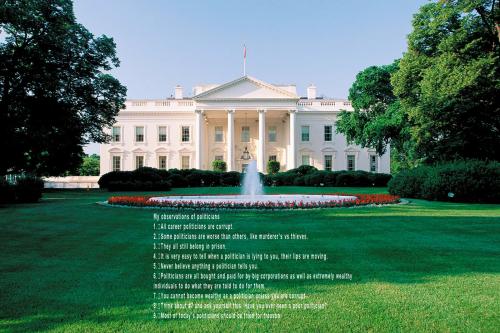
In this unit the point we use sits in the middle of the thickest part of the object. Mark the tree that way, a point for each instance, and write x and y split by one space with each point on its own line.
273 167
377 120
219 165
55 92
448 81
90 166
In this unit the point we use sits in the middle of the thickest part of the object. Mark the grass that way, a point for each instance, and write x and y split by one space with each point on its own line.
70 265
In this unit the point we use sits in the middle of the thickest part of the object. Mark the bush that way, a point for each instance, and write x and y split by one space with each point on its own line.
303 170
459 181
299 181
7 192
142 179
219 166
28 189
231 178
176 180
154 179
302 176
273 167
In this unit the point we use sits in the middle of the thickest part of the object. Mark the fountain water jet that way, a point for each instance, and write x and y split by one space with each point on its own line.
252 185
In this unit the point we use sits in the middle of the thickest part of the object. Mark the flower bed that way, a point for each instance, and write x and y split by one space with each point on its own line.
362 200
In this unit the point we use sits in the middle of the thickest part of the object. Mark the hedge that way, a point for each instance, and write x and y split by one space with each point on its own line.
147 178
458 181
310 176
26 189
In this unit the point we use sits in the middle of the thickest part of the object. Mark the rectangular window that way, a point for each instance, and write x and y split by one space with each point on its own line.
273 158
351 162
219 158
139 162
219 134
185 134
304 130
116 134
185 162
162 134
328 133
373 163
272 133
245 134
244 167
162 162
117 163
305 160
139 133
328 162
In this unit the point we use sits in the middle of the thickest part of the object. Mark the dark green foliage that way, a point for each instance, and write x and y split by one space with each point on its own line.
219 165
448 81
310 176
231 178
141 179
119 180
7 193
28 189
273 167
460 181
56 90
377 119
303 170
301 176
90 166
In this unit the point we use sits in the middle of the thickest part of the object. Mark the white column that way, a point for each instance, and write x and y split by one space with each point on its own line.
230 140
291 154
261 163
199 139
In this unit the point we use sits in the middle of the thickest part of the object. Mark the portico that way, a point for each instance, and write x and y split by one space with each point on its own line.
225 134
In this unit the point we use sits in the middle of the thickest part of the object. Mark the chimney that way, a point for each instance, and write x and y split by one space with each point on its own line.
178 92
311 92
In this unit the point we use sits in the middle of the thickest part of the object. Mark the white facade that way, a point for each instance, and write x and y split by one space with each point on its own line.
220 121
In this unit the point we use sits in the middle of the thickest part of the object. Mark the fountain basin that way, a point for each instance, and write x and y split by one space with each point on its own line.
249 199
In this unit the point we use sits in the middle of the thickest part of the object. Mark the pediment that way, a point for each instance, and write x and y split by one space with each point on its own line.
246 87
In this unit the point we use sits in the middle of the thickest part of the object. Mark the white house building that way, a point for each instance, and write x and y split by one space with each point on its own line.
242 120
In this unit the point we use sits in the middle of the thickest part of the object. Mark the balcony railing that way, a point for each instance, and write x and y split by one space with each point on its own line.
157 105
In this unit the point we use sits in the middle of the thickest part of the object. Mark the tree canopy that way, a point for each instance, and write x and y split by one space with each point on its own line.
441 100
56 92
448 81
90 166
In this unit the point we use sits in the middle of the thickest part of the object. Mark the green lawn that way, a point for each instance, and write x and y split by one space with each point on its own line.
68 264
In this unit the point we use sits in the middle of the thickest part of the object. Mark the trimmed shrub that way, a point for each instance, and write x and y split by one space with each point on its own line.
299 181
28 189
273 167
316 178
177 180
408 183
302 176
7 192
459 181
231 178
303 170
219 166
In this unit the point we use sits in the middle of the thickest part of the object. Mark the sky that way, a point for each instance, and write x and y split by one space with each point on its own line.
163 43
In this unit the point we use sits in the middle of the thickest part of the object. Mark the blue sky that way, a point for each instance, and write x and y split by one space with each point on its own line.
164 43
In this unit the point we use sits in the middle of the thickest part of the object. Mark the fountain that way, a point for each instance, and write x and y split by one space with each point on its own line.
251 181
252 193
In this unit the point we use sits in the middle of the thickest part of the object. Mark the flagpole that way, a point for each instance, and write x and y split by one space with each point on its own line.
244 60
